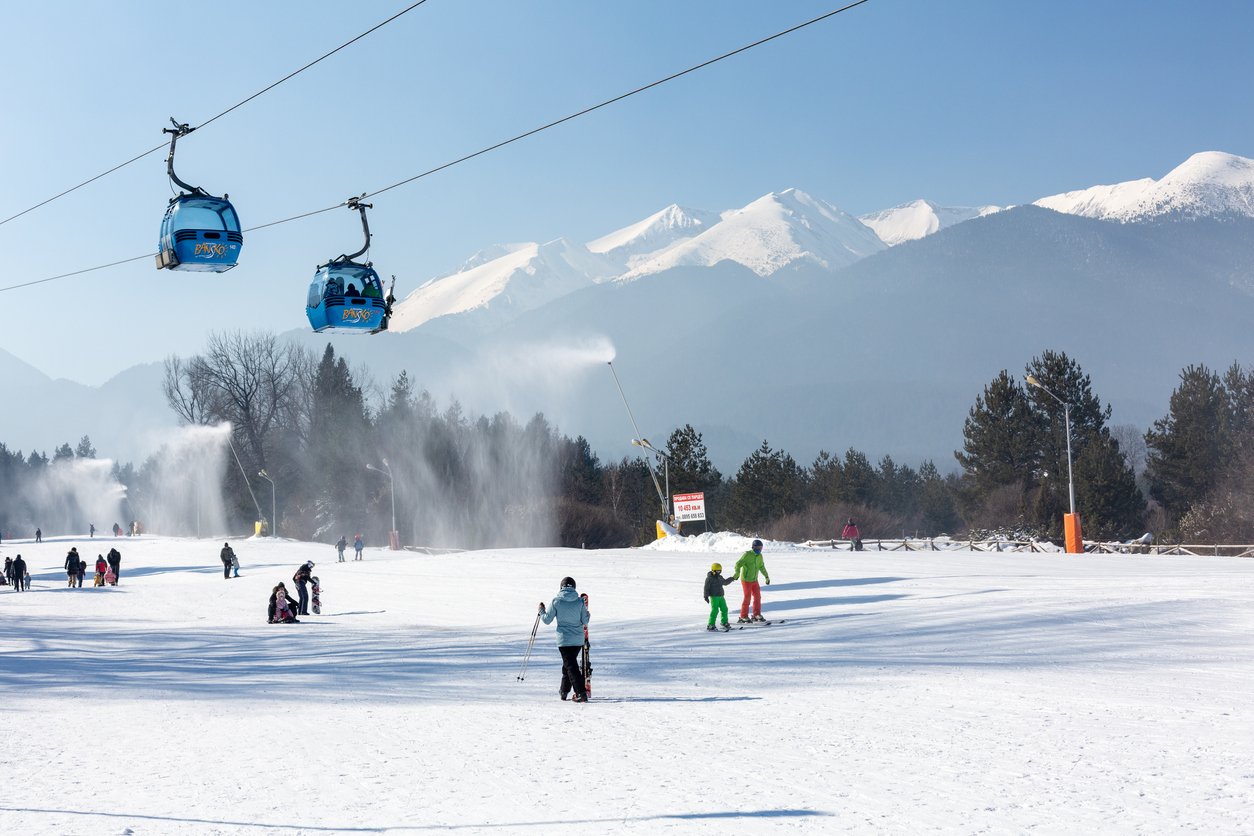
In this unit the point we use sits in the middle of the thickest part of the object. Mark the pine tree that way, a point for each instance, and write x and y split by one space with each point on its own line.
341 445
859 479
1188 445
690 467
85 450
768 485
1106 490
1000 433
827 479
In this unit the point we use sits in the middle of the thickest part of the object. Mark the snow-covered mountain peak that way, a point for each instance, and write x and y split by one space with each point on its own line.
1207 184
920 218
655 232
772 232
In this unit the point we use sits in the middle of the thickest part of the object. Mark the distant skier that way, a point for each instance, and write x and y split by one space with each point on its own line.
747 569
341 546
851 533
358 545
71 564
715 595
571 614
92 530
301 578
20 578
227 556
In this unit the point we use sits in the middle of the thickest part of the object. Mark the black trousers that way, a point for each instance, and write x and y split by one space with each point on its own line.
226 567
571 672
302 590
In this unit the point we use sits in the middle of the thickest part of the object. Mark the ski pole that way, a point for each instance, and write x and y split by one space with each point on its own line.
522 672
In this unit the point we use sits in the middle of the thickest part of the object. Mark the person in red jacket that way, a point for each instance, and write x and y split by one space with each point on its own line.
852 534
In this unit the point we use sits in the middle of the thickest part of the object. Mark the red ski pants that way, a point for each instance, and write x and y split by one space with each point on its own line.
752 591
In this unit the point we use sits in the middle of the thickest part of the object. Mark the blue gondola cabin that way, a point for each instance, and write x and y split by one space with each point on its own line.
347 296
200 233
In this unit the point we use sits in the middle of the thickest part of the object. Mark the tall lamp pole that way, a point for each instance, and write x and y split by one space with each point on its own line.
1066 412
274 517
393 537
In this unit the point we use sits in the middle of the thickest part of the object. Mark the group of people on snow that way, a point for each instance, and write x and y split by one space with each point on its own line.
746 570
15 573
281 609
358 545
108 569
229 561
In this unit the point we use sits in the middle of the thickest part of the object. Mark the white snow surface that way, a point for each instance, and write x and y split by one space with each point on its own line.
922 692
920 218
773 232
1207 184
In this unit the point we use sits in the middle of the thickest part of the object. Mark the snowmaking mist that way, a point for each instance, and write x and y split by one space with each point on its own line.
70 495
183 482
510 485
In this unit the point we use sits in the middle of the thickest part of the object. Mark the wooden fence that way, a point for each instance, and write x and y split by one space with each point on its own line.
942 544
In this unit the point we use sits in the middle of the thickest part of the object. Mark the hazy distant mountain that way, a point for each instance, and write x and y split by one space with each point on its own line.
1209 184
792 321
920 218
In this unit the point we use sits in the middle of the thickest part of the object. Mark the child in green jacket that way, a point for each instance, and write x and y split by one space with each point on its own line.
714 583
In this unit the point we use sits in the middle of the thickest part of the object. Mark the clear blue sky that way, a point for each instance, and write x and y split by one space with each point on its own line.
965 102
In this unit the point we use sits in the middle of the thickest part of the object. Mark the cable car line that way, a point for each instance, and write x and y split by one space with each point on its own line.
494 147
212 119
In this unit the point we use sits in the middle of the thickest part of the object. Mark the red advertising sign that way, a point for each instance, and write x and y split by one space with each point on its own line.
689 506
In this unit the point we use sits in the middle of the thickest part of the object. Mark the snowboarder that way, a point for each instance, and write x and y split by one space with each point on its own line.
358 545
714 595
341 546
101 567
746 570
21 580
227 556
851 533
114 557
572 616
280 609
301 578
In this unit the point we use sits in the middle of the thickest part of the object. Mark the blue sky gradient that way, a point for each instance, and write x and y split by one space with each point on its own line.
962 103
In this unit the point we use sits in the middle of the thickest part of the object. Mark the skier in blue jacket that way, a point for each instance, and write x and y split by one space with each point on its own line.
571 614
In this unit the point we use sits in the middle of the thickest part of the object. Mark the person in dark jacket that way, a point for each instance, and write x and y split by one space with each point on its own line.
227 556
572 616
39 536
8 570
82 570
302 589
280 609
19 574
358 545
341 546
71 564
714 584
115 562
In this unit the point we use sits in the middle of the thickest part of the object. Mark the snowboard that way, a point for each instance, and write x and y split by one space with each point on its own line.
317 595
585 661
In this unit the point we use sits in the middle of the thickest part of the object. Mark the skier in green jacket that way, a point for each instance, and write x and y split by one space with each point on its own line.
747 569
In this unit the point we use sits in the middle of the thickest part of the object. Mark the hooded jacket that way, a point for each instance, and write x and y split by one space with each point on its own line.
571 614
714 583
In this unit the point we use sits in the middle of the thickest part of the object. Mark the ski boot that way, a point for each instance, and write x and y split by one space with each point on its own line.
710 627
742 620
725 627
758 618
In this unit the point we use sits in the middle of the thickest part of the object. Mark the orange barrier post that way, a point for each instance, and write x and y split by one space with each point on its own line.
1073 536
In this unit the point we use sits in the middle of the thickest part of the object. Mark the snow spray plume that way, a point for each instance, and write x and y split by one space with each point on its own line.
182 484
72 494
510 471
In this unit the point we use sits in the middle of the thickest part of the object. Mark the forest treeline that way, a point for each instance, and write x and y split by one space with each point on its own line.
339 464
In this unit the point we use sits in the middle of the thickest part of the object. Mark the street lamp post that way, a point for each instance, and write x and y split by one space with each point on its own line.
394 535
1072 527
274 517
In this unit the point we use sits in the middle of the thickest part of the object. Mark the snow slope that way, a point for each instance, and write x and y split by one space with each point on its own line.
771 233
920 218
653 234
1207 184
905 693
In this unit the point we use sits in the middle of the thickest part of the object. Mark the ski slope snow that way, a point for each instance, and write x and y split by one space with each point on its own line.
948 692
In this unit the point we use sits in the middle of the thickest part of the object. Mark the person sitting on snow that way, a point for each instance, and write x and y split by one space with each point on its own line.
280 609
